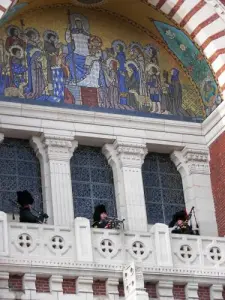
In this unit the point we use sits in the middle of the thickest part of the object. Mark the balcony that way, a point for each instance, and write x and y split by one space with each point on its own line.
82 248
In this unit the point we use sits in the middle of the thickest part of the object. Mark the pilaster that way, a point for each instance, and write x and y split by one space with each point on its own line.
55 152
126 158
55 284
112 288
216 292
29 287
134 283
193 165
4 287
84 287
164 290
191 291
162 243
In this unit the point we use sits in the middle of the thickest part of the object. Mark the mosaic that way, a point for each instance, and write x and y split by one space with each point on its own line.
88 65
194 62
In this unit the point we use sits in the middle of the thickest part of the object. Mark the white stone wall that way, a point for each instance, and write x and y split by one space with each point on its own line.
125 140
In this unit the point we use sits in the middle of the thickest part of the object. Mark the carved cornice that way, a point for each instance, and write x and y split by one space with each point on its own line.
130 154
61 267
197 160
192 161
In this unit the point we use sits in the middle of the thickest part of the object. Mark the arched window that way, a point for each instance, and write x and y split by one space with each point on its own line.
92 182
19 170
163 188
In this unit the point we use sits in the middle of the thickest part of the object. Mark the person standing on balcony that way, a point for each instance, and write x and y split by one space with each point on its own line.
25 200
100 217
179 223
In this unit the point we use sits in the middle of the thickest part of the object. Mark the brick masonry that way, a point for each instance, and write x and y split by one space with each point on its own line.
179 292
217 166
42 285
99 288
121 289
151 289
15 282
69 286
203 293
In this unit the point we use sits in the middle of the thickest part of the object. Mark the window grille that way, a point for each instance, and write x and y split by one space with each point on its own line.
19 170
92 182
163 188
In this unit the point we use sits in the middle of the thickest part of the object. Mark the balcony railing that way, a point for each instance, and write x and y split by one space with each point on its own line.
26 244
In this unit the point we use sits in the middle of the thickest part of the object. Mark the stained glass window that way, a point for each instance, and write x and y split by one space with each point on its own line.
92 182
19 170
163 188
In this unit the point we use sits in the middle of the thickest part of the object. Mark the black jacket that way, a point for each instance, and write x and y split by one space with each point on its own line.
26 216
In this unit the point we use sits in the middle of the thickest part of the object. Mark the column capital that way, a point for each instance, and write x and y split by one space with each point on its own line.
129 154
59 147
192 160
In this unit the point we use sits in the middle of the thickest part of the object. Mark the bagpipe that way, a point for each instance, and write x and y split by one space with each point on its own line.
186 226
40 215
114 223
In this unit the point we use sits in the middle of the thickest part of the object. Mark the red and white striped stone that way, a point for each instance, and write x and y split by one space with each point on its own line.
204 21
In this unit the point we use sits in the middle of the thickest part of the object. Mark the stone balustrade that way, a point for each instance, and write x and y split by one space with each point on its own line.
57 252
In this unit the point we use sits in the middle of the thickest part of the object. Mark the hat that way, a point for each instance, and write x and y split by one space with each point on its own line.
24 198
99 209
180 215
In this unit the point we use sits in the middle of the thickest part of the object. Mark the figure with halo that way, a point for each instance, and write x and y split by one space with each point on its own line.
137 54
33 41
112 83
79 31
132 83
14 38
51 47
18 69
154 87
119 50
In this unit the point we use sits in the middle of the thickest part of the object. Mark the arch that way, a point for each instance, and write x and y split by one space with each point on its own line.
92 182
163 188
19 170
204 22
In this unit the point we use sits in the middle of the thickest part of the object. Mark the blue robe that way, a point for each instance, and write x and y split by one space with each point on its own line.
4 81
18 71
122 77
29 88
70 61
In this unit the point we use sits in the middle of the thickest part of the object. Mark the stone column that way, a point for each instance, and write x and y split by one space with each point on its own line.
126 158
216 292
164 290
55 153
193 165
191 291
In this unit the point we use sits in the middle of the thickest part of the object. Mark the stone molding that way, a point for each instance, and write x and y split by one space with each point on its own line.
59 147
128 154
192 161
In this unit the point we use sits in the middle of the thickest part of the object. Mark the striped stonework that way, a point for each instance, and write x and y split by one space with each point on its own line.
203 20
